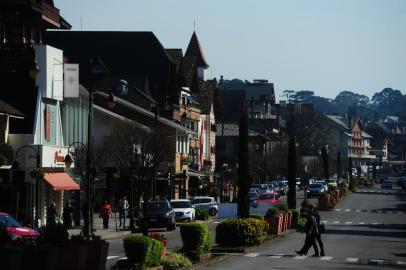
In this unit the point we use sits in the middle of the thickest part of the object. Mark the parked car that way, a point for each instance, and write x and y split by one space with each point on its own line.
271 197
323 182
13 233
184 211
261 187
206 203
160 214
386 184
315 189
256 190
253 196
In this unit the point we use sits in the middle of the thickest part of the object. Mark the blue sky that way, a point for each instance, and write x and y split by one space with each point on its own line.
322 45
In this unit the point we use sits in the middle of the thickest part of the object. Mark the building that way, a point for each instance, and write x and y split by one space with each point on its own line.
37 139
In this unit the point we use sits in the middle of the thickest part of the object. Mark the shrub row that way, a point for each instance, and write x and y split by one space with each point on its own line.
195 237
201 214
236 232
143 250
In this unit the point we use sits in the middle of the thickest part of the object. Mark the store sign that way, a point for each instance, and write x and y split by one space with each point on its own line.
53 156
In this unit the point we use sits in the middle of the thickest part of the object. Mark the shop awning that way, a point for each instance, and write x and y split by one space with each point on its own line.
61 181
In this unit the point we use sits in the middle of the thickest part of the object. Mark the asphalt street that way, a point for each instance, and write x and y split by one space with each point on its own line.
367 230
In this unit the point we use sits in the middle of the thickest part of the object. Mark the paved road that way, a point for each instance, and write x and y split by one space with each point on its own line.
366 231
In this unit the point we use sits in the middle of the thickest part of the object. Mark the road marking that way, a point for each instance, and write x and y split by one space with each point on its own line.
338 210
357 211
251 255
348 222
400 263
375 223
276 256
216 222
112 257
347 210
351 259
336 222
379 211
299 257
325 258
324 221
361 223
389 212
376 261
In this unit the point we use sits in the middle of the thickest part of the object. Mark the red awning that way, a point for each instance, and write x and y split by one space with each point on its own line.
61 181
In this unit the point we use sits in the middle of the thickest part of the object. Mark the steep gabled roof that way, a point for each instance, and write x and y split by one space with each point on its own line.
194 49
187 71
176 55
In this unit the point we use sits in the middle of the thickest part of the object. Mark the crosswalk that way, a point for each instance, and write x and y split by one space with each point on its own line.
368 261
369 211
338 222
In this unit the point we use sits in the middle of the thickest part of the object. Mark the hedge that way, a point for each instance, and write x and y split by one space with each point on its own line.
195 237
143 250
236 232
256 216
175 261
282 207
201 214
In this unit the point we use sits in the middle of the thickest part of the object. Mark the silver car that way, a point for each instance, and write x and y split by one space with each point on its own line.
206 203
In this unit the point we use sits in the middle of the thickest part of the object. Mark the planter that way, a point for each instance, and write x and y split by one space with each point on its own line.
198 257
290 217
164 251
72 257
43 257
323 203
96 254
337 194
275 224
11 261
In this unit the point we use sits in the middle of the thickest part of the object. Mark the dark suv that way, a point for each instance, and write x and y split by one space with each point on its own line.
160 214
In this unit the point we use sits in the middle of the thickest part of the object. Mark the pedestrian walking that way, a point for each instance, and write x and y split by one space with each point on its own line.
67 215
321 228
122 211
311 231
51 214
105 212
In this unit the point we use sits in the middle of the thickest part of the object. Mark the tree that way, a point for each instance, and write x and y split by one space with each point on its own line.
244 182
292 167
324 156
303 95
348 98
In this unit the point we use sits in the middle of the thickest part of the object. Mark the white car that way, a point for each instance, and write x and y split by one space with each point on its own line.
184 211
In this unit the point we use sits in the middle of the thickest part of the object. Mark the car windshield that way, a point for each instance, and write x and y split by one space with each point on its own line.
7 221
181 204
154 206
315 186
266 196
202 200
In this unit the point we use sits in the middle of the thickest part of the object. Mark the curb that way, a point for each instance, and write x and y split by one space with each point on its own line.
222 257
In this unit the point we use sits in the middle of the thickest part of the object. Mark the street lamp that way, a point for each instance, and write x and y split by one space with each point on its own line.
16 165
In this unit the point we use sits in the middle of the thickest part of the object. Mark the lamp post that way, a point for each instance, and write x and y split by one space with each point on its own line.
16 165
88 227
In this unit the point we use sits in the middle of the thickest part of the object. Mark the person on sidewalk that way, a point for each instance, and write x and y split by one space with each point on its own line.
51 214
311 231
105 213
67 215
320 228
122 211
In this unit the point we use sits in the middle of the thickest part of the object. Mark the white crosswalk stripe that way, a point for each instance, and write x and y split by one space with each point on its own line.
336 222
299 257
357 211
351 259
347 210
112 257
348 223
326 258
251 255
276 256
361 223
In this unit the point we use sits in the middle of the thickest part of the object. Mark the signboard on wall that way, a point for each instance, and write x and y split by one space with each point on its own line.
71 80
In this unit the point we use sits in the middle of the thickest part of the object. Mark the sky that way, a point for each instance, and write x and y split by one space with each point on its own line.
319 45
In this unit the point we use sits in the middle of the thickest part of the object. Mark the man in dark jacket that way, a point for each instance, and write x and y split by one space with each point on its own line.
320 230
311 231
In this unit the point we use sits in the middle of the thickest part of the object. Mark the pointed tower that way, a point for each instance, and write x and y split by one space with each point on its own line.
195 50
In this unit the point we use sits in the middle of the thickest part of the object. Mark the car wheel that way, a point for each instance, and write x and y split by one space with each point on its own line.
212 212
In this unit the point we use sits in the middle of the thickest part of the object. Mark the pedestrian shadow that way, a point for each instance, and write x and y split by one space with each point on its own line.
399 254
392 234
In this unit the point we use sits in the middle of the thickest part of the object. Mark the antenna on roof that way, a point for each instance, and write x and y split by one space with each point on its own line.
81 23
194 25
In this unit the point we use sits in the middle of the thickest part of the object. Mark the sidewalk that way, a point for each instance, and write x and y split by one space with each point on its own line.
105 234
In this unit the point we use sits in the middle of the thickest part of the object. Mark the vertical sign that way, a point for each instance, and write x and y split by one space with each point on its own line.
47 125
71 80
